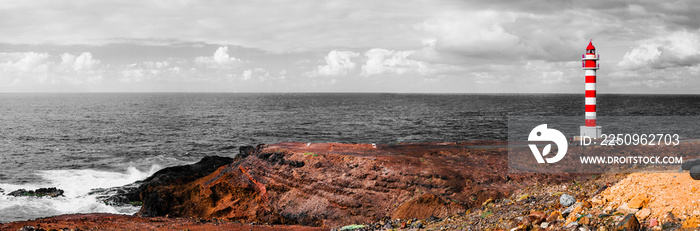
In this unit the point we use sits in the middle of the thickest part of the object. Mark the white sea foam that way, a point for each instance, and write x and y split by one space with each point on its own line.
76 185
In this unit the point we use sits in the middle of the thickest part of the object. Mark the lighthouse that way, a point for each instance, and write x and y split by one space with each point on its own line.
589 62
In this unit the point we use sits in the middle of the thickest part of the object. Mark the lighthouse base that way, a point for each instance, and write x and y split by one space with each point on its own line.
592 132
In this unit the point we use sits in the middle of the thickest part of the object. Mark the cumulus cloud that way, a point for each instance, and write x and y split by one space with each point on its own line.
260 73
220 59
83 62
25 62
337 63
23 67
247 74
380 61
32 69
680 48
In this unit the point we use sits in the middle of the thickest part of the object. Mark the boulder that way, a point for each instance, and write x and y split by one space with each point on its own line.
688 164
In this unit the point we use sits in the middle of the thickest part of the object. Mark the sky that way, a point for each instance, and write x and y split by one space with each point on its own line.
403 46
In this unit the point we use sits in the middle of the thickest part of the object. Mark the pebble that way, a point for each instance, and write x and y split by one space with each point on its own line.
544 225
695 172
585 220
572 225
640 200
653 222
536 217
643 213
556 215
486 203
388 226
27 228
624 208
586 204
432 219
575 208
567 200
418 224
628 222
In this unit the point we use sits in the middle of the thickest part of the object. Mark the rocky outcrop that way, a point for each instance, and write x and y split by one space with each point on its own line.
175 175
50 192
330 184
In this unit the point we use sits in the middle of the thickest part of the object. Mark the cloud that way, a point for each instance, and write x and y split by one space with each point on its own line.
276 25
247 74
380 61
677 49
34 69
477 33
152 71
23 67
220 59
337 63
260 73
477 42
24 62
83 62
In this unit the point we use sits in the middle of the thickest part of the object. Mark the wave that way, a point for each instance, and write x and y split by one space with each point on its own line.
77 185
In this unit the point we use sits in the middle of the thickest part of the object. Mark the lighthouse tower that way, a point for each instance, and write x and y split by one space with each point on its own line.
590 65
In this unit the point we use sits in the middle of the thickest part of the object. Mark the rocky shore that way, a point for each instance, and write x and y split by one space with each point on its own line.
333 184
432 186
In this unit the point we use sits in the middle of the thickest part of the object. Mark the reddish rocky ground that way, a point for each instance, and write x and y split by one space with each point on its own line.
124 222
333 184
436 186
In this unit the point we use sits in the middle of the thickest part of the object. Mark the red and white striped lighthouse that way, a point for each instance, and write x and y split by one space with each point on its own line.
589 63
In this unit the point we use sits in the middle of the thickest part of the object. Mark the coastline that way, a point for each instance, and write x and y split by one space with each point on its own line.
322 186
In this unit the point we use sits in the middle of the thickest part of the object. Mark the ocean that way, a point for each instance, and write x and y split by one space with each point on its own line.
79 142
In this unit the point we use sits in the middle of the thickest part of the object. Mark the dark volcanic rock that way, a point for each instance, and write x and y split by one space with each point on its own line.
245 151
52 192
171 175
688 164
187 173
695 172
